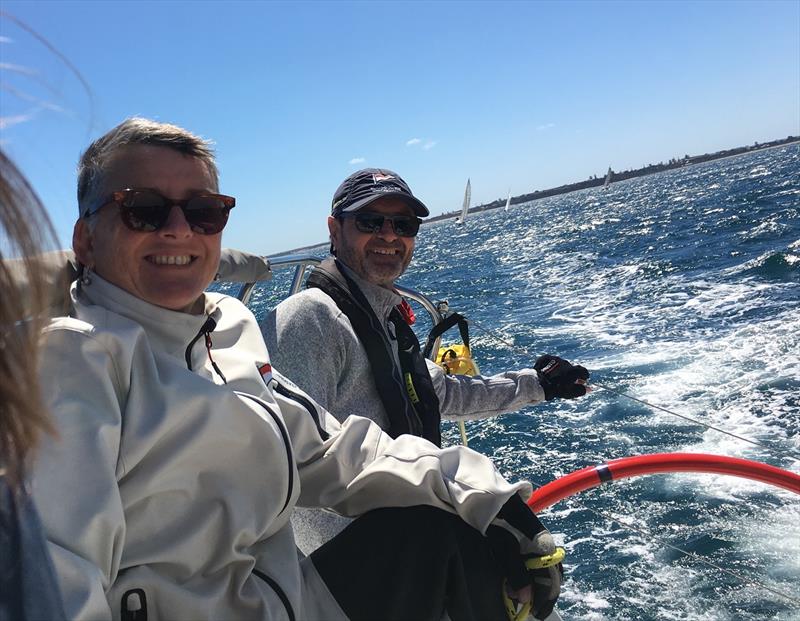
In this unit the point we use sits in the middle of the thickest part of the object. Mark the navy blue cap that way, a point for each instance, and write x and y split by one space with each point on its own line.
368 185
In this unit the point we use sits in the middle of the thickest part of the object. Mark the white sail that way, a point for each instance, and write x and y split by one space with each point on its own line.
608 178
465 206
508 199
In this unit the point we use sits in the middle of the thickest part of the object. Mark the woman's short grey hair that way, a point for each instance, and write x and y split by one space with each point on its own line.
96 160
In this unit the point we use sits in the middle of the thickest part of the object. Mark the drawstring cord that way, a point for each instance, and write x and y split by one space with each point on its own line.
205 331
213 364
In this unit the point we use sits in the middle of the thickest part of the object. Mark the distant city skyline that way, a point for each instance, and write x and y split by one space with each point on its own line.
297 95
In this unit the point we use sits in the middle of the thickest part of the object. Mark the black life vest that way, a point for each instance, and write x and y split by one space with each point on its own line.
407 393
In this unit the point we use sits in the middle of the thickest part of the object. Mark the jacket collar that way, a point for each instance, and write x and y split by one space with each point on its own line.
168 329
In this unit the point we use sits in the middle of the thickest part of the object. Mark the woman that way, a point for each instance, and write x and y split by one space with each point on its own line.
182 455
28 589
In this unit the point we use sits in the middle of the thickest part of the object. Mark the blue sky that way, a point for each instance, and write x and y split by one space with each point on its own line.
520 95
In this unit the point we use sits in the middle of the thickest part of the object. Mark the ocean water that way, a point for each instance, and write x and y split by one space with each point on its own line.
682 289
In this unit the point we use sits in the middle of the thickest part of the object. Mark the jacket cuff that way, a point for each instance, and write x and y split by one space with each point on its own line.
520 516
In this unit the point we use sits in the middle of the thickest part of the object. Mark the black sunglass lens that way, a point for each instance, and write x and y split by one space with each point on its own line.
369 222
205 202
207 220
144 211
406 227
207 214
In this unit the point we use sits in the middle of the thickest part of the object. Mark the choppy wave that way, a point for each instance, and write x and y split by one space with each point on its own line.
774 266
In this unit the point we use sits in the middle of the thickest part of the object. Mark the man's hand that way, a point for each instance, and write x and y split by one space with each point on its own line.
561 379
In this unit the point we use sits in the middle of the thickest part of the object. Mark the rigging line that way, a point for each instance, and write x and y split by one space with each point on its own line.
775 451
694 556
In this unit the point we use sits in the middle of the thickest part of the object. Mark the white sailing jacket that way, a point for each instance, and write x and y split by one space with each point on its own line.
170 488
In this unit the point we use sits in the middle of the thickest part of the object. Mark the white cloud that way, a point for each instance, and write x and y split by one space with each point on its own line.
426 145
8 121
358 160
541 128
6 39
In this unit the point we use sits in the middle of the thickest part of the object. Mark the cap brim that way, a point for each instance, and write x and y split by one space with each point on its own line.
417 205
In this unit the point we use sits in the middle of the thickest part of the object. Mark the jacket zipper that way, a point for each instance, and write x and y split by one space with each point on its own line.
305 403
205 331
286 443
278 591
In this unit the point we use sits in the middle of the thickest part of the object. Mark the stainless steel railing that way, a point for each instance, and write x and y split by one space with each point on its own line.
302 262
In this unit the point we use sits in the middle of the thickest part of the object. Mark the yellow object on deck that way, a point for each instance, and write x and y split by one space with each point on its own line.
457 360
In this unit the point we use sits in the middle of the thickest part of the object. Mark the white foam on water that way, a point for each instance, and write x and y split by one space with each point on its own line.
725 378
644 582
586 605
759 171
768 229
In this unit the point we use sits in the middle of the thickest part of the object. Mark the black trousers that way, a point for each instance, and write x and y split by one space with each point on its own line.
412 564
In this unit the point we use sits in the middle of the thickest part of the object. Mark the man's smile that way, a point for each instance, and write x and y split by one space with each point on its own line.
387 251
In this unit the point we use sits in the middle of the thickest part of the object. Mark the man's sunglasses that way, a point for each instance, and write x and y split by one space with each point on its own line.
368 222
145 210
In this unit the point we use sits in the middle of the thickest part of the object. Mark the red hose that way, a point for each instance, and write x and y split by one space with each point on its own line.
660 462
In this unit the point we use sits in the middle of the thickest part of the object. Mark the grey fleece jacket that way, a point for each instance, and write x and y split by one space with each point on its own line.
313 343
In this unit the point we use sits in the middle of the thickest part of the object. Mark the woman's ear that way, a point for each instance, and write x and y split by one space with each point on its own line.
82 243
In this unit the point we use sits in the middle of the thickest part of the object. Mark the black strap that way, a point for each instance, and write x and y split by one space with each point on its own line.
443 326
414 367
395 386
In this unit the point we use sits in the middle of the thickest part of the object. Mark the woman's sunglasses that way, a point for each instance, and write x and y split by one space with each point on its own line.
146 210
368 222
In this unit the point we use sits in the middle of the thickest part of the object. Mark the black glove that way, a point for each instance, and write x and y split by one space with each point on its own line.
511 562
557 377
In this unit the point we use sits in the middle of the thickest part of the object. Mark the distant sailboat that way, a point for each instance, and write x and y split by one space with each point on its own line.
465 206
609 174
508 199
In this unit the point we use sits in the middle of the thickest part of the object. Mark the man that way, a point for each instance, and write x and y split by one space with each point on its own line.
181 455
347 338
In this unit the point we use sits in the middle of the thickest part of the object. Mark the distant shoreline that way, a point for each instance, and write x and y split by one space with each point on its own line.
594 181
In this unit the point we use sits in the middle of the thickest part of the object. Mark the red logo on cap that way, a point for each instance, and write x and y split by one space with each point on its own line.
378 177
